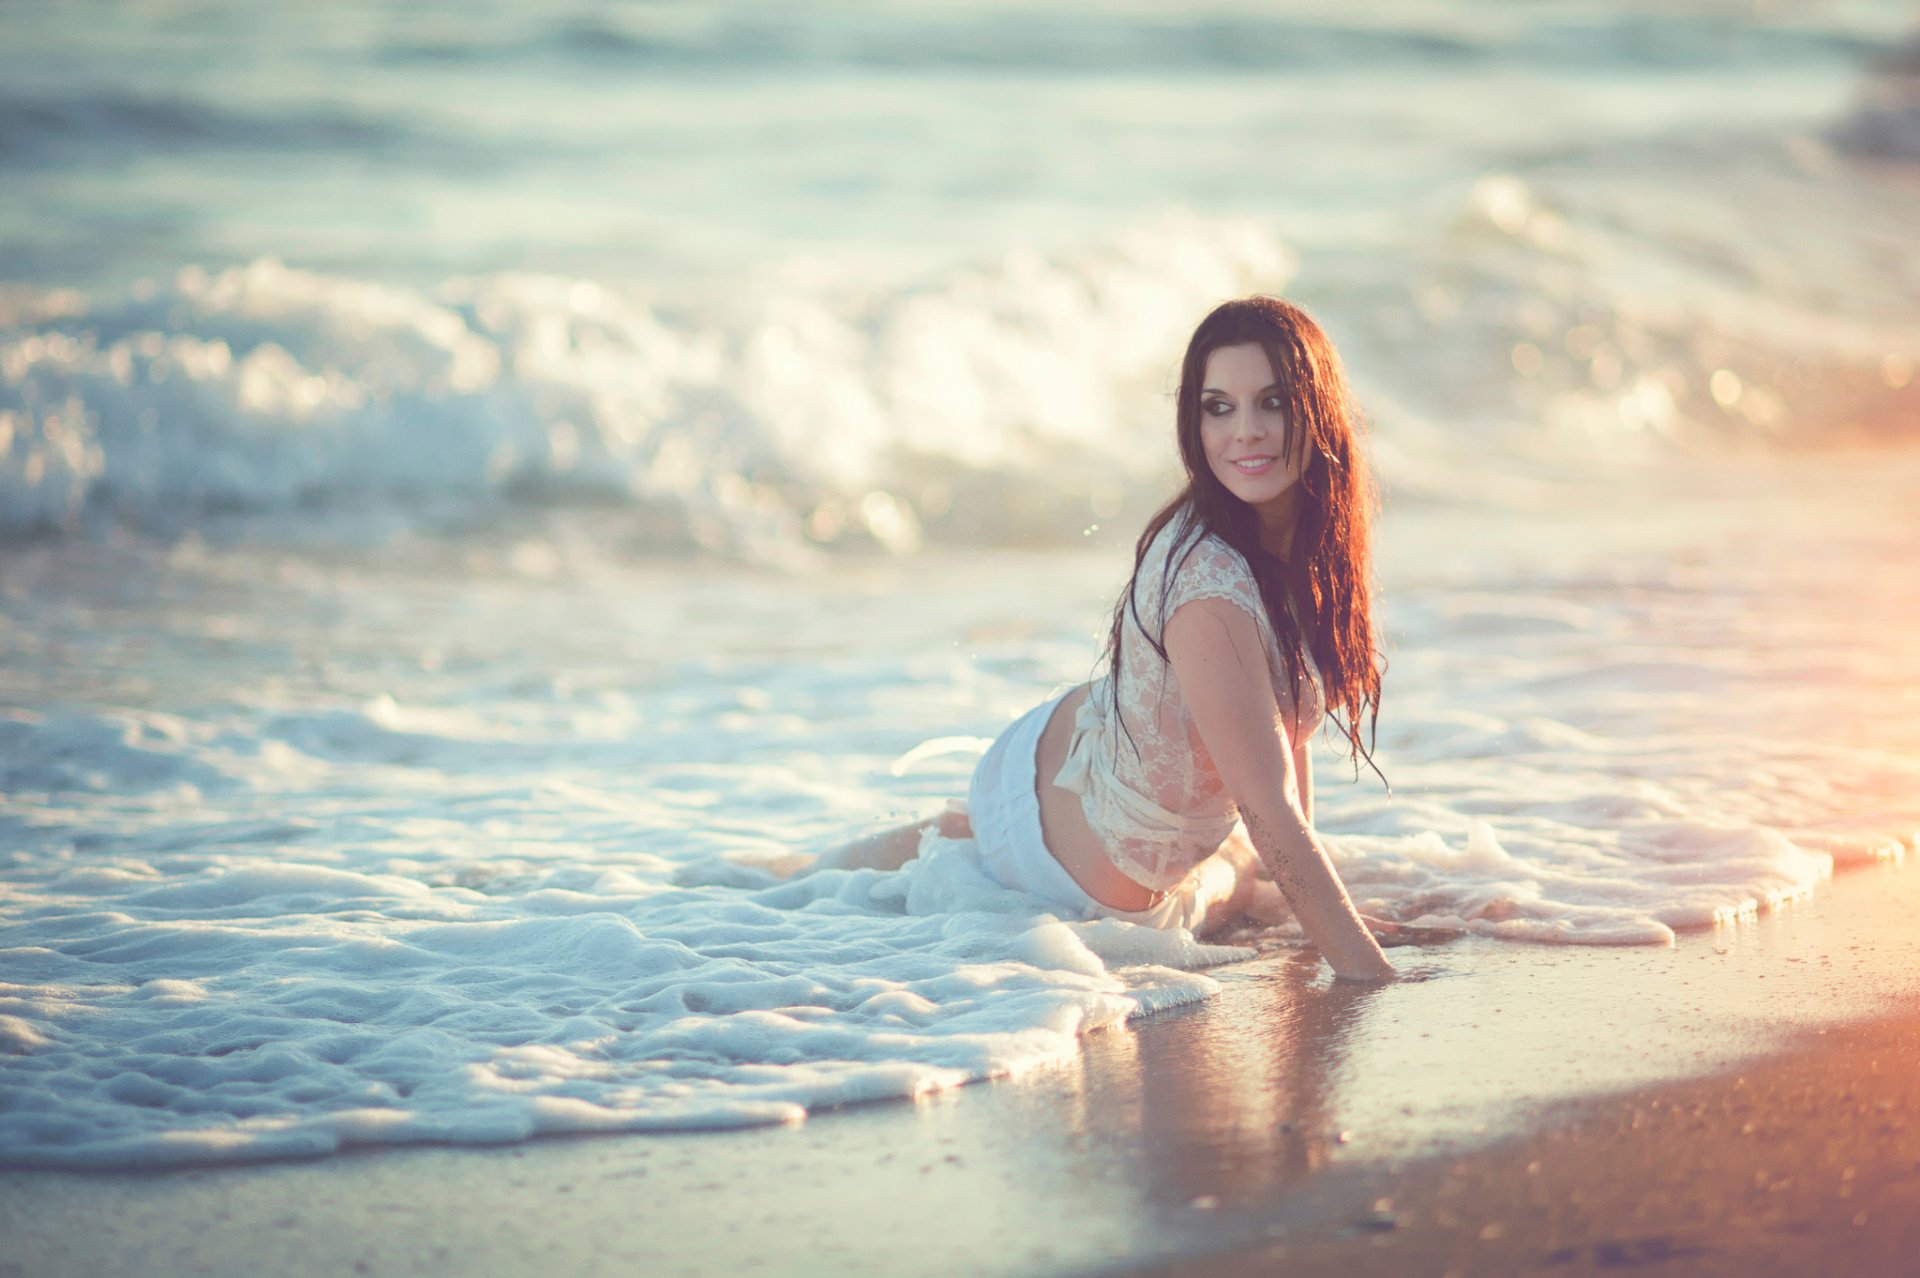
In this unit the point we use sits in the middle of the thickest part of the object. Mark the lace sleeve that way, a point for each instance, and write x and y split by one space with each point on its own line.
1211 569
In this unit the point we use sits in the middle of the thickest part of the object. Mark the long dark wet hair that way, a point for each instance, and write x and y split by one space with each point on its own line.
1328 574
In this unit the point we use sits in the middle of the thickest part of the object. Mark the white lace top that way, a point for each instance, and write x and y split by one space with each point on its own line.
1150 791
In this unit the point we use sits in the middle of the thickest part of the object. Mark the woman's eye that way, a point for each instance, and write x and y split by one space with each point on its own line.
1218 407
1272 403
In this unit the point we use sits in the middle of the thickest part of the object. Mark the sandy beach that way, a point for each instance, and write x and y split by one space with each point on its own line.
1803 1163
1550 1110
489 492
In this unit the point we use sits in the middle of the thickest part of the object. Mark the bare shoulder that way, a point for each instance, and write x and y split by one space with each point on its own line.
1217 643
1211 632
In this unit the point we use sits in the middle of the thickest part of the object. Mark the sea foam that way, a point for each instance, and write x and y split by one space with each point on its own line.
417 854
260 1009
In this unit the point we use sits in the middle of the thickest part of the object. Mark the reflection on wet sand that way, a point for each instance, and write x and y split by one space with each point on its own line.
1233 1107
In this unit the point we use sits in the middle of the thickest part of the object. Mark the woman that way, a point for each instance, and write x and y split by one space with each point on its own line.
1247 619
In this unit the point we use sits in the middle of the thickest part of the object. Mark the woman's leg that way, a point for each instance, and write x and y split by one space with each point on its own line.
1257 899
891 849
1227 889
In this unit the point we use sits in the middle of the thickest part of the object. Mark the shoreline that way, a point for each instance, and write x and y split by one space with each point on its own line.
1257 1130
1803 1163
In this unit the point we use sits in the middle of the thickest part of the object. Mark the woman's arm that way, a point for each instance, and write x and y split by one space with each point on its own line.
1303 769
1218 655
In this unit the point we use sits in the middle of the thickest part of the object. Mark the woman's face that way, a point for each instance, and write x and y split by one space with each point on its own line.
1243 429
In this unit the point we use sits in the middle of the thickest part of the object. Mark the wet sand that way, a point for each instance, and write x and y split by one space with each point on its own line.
1807 1163
1747 1101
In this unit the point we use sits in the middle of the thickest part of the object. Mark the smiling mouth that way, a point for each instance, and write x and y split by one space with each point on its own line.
1252 465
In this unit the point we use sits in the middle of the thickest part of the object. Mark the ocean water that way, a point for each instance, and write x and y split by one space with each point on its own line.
489 491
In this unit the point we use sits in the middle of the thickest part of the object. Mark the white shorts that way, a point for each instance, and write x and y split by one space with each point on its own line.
1003 805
